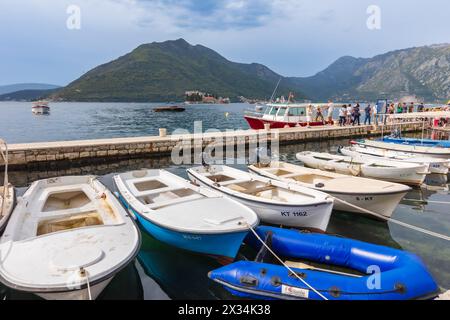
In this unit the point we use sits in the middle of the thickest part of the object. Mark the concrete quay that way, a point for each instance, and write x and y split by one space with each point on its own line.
48 154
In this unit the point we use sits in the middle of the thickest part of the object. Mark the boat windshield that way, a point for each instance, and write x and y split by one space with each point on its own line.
273 111
282 112
296 112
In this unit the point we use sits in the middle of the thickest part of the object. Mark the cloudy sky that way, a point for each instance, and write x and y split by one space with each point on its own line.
293 37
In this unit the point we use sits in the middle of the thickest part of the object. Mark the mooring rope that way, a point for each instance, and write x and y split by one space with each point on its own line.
283 263
5 182
400 223
84 273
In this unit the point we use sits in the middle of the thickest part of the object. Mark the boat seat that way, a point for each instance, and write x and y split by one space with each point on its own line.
224 184
161 204
254 191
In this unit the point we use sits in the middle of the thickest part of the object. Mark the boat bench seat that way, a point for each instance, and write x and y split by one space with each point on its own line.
161 204
224 184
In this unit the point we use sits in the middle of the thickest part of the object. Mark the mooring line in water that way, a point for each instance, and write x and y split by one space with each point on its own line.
426 201
400 223
283 263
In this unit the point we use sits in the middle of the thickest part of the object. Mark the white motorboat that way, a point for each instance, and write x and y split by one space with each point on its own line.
439 166
66 239
394 171
7 194
274 201
40 107
435 152
353 194
181 214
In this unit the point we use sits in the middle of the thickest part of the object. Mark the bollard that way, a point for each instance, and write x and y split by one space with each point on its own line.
162 132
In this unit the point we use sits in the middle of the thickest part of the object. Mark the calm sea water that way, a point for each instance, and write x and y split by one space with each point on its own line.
162 271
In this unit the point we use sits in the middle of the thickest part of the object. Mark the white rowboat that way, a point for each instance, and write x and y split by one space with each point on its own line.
369 194
181 214
439 166
274 201
66 239
394 171
435 152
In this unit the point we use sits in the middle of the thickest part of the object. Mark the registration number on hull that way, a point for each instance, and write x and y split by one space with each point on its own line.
294 214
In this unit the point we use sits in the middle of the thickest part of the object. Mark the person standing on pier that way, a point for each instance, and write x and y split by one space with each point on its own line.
319 115
309 113
357 115
375 114
368 113
342 115
330 112
349 114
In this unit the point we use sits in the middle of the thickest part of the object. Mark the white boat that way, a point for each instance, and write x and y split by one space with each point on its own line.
40 107
66 239
394 171
274 201
437 165
7 195
7 199
374 195
190 217
435 152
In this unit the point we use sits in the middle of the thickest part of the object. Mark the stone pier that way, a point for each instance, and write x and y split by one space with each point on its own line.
44 154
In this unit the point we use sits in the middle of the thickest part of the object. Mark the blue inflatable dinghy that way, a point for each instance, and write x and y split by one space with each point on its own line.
382 273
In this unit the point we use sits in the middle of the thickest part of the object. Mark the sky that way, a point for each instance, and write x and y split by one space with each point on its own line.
48 41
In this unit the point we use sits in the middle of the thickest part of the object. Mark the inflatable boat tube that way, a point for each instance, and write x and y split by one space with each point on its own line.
382 273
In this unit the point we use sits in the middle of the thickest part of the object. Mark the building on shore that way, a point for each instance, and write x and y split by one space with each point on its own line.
194 97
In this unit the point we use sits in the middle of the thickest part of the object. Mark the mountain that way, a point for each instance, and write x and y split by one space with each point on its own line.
421 71
26 86
27 95
164 71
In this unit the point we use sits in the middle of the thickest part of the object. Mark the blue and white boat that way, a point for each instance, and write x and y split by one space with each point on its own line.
366 271
417 142
184 215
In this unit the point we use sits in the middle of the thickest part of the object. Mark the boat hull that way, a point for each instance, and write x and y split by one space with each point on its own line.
384 204
220 244
414 176
40 110
433 152
258 123
313 217
82 294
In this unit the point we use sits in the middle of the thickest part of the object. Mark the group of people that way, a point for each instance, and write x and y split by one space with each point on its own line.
404 108
351 115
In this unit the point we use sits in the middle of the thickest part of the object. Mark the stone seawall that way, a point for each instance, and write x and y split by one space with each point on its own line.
51 153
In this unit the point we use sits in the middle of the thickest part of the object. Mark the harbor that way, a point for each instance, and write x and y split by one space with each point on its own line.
224 158
396 222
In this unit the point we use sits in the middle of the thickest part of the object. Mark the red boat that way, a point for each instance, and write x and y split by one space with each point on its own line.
285 116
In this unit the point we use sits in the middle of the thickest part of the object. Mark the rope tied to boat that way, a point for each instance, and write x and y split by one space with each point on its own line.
283 263
5 182
400 223
84 274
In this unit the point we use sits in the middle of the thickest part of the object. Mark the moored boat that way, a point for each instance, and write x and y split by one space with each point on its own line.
439 166
435 152
40 107
66 239
394 171
401 275
356 194
190 217
282 115
7 193
169 109
417 142
274 201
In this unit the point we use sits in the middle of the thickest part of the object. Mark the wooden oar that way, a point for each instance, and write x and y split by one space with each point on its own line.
304 266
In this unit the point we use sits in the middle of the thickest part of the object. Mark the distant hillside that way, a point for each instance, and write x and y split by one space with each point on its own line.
423 71
27 95
26 86
164 71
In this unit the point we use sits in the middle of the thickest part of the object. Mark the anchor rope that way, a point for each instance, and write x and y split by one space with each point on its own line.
400 223
84 273
284 264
